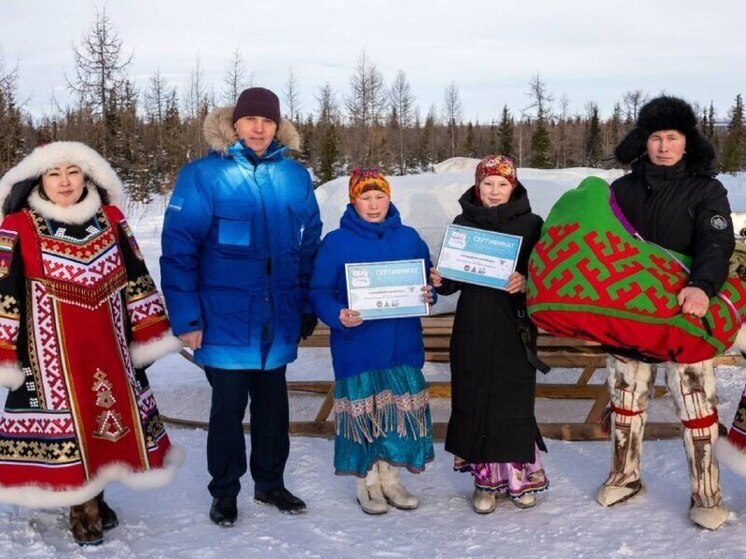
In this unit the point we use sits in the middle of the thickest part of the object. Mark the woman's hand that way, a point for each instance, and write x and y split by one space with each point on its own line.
193 340
350 318
693 301
516 283
427 294
435 278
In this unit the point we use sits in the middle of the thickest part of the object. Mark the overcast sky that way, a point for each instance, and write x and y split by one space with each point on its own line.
585 50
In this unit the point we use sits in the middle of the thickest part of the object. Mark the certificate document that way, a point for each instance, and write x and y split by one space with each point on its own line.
477 256
387 289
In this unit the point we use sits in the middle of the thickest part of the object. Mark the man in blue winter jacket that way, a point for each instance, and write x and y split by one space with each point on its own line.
239 237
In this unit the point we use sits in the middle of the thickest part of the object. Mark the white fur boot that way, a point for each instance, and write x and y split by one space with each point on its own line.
692 386
393 490
484 502
369 495
630 383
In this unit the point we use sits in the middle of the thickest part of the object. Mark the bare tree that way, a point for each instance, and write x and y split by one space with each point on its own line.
452 112
196 99
236 79
366 102
328 110
632 101
402 105
154 99
563 125
541 99
196 105
291 96
366 106
100 69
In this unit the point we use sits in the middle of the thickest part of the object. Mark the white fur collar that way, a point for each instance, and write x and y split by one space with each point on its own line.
77 213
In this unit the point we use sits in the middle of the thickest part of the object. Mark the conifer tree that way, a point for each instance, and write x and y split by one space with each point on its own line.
506 132
592 137
470 143
708 126
329 155
494 138
424 153
735 141
541 143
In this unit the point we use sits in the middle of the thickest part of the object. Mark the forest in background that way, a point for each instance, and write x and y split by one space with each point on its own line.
149 133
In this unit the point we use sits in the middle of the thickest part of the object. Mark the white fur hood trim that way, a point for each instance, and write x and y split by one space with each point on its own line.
11 375
145 353
36 496
52 155
220 134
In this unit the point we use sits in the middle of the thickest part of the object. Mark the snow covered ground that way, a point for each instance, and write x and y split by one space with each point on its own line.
566 523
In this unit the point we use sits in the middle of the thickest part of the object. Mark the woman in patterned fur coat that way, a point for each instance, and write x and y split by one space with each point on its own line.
80 318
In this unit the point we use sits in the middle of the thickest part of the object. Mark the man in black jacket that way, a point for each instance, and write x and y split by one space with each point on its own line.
673 200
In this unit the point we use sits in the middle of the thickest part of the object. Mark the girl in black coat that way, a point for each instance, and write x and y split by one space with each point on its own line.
492 431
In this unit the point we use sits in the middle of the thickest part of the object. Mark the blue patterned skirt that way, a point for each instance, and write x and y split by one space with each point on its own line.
383 414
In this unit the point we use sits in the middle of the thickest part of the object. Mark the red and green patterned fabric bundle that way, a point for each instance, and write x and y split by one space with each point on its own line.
591 278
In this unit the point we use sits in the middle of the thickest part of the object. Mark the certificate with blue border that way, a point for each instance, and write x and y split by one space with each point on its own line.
478 256
387 289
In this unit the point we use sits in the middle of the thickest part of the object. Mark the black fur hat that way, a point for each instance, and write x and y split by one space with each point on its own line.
667 113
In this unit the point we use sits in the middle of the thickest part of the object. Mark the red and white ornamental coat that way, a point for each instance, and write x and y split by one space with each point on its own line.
79 318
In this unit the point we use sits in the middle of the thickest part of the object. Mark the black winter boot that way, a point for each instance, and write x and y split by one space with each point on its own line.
224 511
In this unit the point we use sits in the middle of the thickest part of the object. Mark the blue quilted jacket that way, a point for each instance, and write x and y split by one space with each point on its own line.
375 344
239 238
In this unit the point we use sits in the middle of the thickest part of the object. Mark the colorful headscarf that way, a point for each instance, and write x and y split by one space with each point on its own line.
363 180
497 165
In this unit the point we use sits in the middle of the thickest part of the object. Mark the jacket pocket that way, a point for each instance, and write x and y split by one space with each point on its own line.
298 214
227 316
233 221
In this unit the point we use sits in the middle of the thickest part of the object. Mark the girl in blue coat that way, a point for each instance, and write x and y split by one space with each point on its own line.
381 401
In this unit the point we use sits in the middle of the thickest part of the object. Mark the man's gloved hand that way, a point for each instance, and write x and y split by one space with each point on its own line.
308 324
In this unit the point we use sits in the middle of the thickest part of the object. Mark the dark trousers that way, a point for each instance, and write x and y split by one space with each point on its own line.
226 446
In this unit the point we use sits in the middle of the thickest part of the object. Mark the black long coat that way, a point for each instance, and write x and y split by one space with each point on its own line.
493 384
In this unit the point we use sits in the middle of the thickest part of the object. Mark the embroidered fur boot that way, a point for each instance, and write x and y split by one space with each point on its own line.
85 523
630 383
692 387
369 494
393 490
109 518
